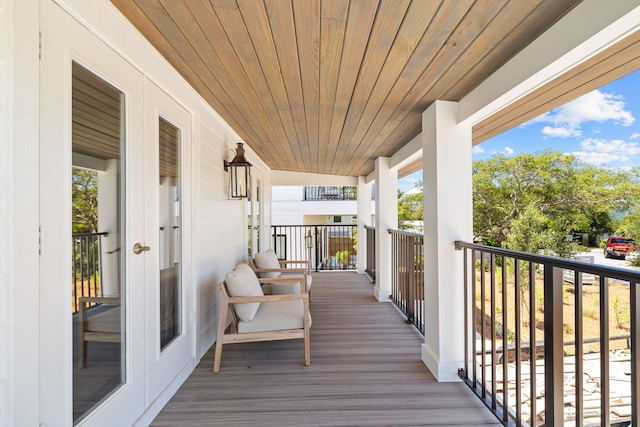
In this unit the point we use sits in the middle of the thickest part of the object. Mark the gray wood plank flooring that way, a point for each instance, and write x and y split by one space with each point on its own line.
365 371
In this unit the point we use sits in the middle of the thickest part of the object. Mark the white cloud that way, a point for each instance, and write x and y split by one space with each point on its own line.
561 132
595 158
635 136
477 149
507 151
615 146
594 106
602 151
408 181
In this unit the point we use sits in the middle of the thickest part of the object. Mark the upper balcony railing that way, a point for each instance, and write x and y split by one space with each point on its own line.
327 246
86 267
320 193
551 341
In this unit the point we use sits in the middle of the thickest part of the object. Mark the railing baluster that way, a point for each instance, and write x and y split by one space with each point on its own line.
518 315
86 269
505 342
532 342
465 264
475 324
604 352
579 346
483 331
553 348
635 353
494 401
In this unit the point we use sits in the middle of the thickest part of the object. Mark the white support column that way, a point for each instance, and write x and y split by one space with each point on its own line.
448 216
386 218
364 218
108 212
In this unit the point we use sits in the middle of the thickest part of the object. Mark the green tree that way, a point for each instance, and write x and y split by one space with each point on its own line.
410 209
84 201
542 197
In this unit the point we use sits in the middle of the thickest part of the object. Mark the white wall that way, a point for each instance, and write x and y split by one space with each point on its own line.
219 232
19 23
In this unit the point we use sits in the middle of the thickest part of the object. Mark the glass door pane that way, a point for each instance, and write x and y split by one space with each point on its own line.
98 235
170 231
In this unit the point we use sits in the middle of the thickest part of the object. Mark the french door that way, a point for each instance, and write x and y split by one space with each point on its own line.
113 156
167 232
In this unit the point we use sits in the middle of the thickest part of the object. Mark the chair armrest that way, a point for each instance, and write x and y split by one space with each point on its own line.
99 300
280 270
267 298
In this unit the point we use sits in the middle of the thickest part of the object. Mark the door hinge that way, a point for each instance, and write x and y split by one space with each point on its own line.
40 45
40 240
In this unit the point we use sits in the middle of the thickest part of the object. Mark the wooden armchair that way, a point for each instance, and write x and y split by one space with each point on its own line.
267 265
103 325
258 317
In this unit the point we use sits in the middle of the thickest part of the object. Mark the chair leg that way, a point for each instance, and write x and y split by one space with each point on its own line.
222 321
218 356
307 349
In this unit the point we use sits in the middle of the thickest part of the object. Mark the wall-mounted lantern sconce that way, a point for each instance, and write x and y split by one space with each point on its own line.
239 174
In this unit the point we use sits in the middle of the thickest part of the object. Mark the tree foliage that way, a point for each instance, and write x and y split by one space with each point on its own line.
533 201
84 201
410 210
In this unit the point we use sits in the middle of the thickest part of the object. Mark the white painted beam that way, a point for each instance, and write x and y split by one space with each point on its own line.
589 28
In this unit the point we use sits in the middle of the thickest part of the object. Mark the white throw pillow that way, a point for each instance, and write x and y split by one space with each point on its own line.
267 259
242 282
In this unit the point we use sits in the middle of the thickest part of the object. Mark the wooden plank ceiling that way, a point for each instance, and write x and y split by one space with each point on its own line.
326 86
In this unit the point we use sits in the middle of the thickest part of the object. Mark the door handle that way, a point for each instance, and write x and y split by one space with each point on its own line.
138 248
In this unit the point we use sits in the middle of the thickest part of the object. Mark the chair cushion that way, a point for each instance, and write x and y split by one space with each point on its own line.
275 316
267 259
293 288
242 282
107 320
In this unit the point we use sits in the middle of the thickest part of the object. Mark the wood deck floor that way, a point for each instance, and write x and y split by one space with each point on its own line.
365 371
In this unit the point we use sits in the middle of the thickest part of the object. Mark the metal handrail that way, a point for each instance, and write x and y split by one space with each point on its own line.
495 371
86 267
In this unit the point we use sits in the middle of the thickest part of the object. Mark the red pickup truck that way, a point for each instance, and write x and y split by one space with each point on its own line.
619 247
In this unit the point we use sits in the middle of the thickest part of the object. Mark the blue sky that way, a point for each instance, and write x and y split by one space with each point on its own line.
600 128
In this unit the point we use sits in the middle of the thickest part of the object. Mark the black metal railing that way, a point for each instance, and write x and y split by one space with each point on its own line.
370 268
86 267
318 193
328 247
550 341
407 275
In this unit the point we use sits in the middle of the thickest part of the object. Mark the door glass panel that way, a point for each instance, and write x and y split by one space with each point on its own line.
97 206
170 231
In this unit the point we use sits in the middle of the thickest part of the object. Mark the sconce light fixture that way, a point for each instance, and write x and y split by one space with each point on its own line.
239 174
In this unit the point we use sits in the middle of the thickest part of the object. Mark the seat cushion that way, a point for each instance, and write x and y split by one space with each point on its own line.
275 316
293 288
267 259
106 320
242 282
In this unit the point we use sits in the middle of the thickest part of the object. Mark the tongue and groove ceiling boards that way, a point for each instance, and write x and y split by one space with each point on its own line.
327 86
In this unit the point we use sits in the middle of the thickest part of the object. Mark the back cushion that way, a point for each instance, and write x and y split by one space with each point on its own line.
242 282
267 259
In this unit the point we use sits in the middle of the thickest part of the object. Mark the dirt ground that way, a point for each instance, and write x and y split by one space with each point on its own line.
619 314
